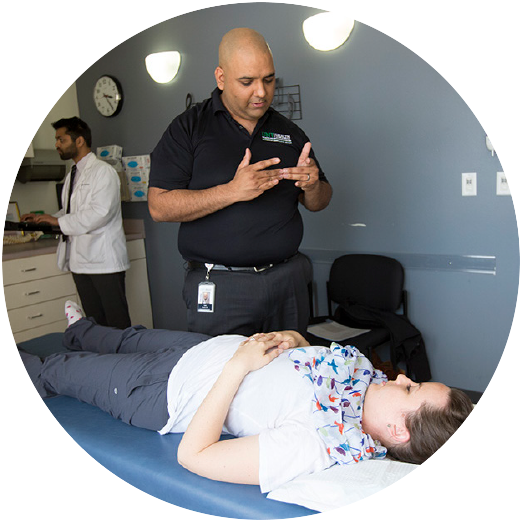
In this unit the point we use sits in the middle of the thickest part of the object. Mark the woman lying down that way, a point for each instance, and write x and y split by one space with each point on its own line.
295 409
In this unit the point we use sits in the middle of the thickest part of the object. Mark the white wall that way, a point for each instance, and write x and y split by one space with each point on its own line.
36 195
41 195
66 107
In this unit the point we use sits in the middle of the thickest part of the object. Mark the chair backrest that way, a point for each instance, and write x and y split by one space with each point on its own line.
366 279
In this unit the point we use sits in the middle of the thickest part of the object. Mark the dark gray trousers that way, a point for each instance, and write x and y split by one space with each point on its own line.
251 302
123 372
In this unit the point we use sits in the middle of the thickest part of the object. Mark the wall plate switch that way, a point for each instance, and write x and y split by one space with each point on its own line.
469 183
502 185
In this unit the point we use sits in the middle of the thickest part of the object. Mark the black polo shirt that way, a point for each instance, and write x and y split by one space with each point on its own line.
202 148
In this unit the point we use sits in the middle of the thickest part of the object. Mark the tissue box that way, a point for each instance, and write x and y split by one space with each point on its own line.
137 170
111 153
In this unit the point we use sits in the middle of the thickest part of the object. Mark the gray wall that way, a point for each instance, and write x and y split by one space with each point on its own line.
393 138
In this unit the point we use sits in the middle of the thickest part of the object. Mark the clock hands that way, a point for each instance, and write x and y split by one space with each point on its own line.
106 96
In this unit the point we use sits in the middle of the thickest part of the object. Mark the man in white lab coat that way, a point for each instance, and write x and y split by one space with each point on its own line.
93 246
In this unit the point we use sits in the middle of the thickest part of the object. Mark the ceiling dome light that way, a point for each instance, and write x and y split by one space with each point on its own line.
327 31
163 67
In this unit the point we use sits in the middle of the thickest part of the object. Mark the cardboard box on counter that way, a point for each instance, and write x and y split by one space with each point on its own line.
137 170
110 153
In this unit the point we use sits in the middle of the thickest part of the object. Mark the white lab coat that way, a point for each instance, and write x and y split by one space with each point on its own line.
97 243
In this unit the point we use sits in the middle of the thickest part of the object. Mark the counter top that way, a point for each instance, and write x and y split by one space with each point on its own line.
32 248
134 229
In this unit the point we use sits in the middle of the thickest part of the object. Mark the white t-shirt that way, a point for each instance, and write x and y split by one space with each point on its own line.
273 402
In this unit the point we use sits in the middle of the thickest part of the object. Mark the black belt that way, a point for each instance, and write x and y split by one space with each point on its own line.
262 268
196 264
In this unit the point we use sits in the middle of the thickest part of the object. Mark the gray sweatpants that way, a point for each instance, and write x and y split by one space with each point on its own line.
122 372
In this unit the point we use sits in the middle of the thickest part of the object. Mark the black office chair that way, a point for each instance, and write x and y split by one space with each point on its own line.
371 282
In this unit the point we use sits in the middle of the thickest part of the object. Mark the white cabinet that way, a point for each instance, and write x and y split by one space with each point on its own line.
35 294
36 291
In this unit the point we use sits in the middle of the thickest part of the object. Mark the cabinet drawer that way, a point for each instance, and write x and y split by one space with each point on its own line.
138 294
25 335
38 291
38 314
30 268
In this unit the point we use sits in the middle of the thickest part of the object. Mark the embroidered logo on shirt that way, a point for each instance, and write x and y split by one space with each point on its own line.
275 137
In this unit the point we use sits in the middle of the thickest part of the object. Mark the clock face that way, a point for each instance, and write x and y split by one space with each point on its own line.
108 96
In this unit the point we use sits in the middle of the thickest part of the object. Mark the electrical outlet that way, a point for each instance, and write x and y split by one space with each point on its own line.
469 183
502 185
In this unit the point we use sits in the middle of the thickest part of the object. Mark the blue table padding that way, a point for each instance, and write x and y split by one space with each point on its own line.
148 460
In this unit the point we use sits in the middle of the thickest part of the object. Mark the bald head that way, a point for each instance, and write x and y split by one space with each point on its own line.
245 76
242 41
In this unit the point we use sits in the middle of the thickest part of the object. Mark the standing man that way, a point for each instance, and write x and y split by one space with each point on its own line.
233 170
93 246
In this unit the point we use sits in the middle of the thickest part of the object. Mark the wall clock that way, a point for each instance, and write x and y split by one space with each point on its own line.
108 96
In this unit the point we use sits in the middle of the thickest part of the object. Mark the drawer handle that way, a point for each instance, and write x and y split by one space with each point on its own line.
34 292
28 269
35 316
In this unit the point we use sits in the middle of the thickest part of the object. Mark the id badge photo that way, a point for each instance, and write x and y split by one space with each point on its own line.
206 295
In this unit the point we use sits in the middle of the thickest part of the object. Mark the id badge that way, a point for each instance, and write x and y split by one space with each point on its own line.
206 296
